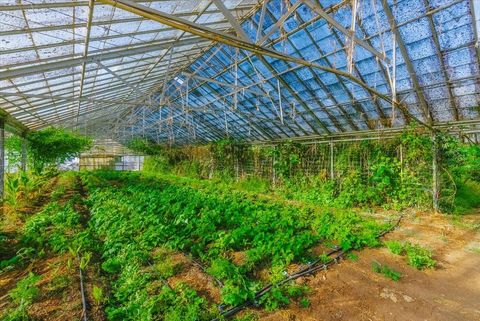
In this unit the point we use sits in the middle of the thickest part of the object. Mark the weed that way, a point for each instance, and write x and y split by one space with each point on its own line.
58 283
25 291
394 246
305 303
98 295
274 299
249 316
417 256
352 256
386 271
166 268
475 250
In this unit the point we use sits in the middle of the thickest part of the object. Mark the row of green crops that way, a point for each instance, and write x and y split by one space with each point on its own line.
134 216
57 228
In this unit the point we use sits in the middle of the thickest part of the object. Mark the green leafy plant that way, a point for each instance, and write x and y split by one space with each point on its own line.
417 256
98 295
386 271
52 146
395 247
305 303
139 217
22 296
85 260
12 189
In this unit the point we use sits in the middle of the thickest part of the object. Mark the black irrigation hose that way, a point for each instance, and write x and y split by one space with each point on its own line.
309 269
82 291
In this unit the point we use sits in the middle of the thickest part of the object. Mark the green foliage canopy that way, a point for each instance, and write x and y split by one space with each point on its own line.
52 146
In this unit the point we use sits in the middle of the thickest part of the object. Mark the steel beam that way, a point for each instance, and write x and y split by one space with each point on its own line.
244 37
69 63
441 60
221 83
279 22
475 12
91 6
315 7
332 9
408 63
218 36
65 27
260 23
75 99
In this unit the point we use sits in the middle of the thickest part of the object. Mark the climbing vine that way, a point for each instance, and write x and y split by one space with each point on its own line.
395 172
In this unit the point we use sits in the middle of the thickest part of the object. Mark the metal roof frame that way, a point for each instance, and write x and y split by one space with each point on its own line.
101 69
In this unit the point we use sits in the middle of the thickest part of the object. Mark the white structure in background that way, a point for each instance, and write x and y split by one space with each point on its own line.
107 154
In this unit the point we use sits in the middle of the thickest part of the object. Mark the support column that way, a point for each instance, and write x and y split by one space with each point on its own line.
2 160
274 172
24 155
401 159
332 175
435 177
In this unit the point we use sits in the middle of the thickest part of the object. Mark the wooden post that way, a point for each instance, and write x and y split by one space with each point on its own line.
435 177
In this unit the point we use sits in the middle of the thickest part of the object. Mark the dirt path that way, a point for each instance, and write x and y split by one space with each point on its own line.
352 291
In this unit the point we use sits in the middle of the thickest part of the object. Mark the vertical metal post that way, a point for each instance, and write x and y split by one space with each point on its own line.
24 155
401 159
332 175
435 177
2 160
274 173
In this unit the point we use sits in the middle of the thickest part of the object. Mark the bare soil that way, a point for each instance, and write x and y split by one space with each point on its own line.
193 274
350 290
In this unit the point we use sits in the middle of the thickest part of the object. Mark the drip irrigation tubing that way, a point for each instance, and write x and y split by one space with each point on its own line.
82 291
311 268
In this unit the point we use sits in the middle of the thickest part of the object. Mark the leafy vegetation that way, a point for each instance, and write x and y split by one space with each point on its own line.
52 146
21 188
386 271
417 256
141 220
22 296
394 173
243 230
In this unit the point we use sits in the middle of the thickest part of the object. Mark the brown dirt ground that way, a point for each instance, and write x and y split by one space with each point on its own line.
352 291
192 273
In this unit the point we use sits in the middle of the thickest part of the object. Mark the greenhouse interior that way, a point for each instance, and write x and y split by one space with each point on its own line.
275 160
